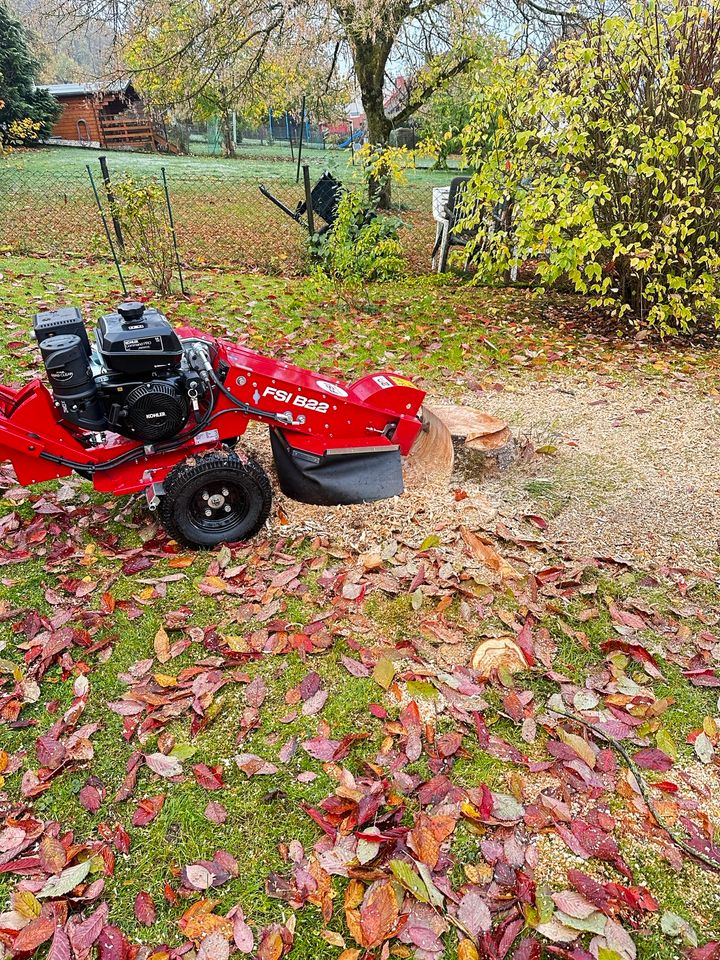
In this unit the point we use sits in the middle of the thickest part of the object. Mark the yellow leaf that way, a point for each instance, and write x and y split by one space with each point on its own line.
467 951
26 904
333 938
478 872
165 680
384 672
237 644
217 582
581 747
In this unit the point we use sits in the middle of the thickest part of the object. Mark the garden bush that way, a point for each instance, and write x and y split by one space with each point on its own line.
362 246
139 205
607 155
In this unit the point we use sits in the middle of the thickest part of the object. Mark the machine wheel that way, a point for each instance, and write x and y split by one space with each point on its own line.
217 498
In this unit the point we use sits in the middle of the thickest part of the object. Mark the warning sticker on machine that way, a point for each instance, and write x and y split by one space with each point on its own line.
402 382
145 344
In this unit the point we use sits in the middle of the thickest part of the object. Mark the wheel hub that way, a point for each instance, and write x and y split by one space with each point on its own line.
218 505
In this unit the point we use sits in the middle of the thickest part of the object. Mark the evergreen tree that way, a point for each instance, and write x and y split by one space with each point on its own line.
19 99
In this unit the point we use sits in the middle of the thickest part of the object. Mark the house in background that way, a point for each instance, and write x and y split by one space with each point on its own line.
110 116
395 99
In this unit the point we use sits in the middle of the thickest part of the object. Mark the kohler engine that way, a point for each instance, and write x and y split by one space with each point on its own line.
133 382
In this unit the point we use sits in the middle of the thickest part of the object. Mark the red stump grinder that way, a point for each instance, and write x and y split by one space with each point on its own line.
150 408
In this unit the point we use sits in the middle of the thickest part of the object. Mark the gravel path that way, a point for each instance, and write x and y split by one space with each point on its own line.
635 471
631 470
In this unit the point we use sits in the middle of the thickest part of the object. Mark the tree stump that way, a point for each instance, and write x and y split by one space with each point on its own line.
483 444
498 653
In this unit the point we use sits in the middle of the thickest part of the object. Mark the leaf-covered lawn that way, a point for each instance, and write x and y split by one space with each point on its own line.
281 748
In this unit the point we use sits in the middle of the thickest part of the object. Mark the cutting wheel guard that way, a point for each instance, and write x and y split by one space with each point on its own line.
337 477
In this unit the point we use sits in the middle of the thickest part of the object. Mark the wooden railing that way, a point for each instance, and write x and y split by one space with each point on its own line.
130 130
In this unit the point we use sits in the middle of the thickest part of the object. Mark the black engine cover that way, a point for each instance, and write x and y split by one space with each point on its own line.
137 340
153 412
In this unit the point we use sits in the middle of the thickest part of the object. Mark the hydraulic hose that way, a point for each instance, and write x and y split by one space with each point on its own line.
284 418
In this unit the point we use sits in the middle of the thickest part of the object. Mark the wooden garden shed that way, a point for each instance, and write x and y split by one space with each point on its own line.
108 116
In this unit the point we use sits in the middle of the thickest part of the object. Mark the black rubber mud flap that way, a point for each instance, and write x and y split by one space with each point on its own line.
336 478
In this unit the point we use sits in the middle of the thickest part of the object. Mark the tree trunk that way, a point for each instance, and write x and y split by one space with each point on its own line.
370 58
226 127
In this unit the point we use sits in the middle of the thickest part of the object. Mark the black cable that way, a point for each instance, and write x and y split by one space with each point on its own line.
643 787
246 407
138 451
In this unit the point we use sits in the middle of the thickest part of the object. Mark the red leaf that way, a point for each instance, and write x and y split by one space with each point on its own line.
653 759
528 950
90 798
215 812
112 944
255 692
60 947
590 889
702 677
35 933
83 935
145 911
209 778
242 934
147 810
163 766
711 951
142 562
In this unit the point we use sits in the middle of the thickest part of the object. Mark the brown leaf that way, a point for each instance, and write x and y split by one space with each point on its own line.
162 645
354 893
379 913
427 836
198 922
271 946
488 556
53 856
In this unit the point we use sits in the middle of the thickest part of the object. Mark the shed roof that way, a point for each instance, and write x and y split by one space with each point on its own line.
61 90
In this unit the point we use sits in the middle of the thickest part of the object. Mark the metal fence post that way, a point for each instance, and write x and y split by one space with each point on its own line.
111 200
308 199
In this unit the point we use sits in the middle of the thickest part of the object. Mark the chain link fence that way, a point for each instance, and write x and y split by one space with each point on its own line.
220 219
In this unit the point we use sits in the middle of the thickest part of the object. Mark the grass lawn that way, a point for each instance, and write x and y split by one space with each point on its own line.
250 164
47 204
387 637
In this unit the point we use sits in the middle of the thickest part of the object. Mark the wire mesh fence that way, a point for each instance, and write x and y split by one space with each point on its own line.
220 219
